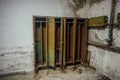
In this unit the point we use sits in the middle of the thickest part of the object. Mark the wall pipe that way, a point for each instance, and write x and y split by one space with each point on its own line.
111 26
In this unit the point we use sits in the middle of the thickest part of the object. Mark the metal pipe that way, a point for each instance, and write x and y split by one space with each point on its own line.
112 15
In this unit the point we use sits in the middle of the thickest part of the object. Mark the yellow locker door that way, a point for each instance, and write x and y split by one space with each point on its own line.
51 42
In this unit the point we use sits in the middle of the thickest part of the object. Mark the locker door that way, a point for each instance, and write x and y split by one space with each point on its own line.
58 41
74 40
61 45
78 40
40 39
64 41
51 42
38 44
84 42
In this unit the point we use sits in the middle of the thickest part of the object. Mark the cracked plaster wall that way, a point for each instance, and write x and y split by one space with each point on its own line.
102 59
16 32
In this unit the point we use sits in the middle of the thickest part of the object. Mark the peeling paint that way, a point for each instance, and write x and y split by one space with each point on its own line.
16 59
79 4
75 5
95 1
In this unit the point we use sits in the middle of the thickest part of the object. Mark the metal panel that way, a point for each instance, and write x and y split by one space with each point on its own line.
58 41
70 40
46 41
74 39
98 21
78 41
84 42
51 42
61 44
41 41
64 46
39 44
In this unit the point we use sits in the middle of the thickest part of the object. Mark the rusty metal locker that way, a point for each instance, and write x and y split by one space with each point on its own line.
40 40
69 40
60 41
75 41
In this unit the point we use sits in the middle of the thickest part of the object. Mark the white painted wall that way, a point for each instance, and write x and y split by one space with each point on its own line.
16 30
16 33
102 59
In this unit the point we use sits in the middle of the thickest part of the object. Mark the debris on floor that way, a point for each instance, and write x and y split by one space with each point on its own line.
80 73
103 77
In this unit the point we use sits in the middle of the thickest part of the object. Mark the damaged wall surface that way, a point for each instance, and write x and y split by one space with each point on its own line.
102 59
16 30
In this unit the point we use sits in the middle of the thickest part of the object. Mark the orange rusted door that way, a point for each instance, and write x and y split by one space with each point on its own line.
84 42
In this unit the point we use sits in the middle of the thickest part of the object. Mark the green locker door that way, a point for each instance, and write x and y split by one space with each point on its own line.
39 43
51 42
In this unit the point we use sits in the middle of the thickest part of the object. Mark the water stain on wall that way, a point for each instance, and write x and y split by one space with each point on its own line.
80 3
75 5
95 1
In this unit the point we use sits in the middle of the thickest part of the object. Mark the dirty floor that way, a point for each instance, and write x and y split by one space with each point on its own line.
80 73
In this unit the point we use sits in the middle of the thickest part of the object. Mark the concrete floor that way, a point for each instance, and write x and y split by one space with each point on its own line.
80 73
